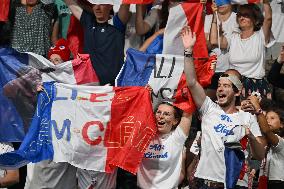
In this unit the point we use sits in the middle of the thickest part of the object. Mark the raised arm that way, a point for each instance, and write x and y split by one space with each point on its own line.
263 125
195 88
124 13
213 36
185 123
267 23
146 44
141 26
75 8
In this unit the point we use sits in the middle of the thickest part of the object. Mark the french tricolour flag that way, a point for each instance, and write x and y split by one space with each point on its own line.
19 73
164 73
91 127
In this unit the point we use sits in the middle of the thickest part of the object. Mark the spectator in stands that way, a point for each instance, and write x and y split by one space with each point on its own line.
274 76
247 48
104 42
8 177
226 18
218 119
33 27
161 166
60 52
271 126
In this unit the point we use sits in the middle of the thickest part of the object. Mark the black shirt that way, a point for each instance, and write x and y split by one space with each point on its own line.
105 44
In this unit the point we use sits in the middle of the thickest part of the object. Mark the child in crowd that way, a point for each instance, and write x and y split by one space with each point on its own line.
60 52
271 126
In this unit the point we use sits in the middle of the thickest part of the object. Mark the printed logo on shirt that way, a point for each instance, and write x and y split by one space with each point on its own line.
224 128
155 154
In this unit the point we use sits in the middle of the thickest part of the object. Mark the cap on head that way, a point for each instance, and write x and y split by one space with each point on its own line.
222 2
61 48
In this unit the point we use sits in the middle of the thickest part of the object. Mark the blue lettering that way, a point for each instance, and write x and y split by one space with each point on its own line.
74 94
155 156
226 117
223 129
60 134
156 147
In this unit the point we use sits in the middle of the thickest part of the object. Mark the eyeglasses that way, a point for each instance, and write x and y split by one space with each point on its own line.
245 15
166 114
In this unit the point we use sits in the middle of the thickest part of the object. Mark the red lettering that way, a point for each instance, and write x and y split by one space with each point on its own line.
94 97
85 132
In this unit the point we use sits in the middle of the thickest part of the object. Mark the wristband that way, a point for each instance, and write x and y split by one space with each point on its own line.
188 53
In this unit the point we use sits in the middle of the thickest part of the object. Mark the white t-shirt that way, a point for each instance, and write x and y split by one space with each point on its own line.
4 148
248 55
162 162
228 27
276 161
217 127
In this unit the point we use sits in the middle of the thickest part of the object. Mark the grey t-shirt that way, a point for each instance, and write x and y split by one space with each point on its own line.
50 175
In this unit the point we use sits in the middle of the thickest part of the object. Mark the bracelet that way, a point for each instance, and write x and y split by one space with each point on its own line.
258 112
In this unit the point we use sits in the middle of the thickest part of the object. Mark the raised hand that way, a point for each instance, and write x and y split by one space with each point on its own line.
188 38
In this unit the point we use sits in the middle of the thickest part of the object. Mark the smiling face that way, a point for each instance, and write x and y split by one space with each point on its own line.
225 93
245 19
273 120
165 118
102 12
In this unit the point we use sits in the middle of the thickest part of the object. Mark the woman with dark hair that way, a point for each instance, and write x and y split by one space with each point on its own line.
272 127
161 166
247 47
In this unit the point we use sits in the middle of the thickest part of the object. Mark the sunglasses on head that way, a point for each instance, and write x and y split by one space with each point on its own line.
245 15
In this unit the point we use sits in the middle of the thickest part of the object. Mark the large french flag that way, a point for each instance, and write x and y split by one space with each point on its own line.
164 73
4 10
19 73
91 127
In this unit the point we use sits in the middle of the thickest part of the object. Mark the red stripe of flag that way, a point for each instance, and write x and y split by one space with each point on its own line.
130 130
4 10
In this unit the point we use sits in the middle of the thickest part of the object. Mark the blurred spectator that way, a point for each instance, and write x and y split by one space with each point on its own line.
33 26
271 126
274 76
226 18
247 48
8 177
104 42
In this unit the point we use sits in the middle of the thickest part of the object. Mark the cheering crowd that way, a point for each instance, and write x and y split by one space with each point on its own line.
239 115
